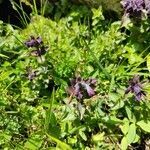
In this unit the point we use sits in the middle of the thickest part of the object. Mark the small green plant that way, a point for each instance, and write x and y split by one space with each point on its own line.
74 82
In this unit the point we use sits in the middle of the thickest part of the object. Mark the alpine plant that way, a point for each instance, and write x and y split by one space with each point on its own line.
135 87
82 88
37 45
134 8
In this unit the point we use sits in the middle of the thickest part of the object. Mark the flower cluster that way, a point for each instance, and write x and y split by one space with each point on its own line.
135 87
38 49
36 43
133 7
81 88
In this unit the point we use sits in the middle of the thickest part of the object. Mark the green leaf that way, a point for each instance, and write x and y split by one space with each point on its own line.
130 114
113 96
98 137
5 75
49 114
61 144
131 133
125 126
72 140
82 134
75 129
124 143
97 13
134 58
144 125
137 138
148 63
118 105
112 120
33 143
2 102
2 55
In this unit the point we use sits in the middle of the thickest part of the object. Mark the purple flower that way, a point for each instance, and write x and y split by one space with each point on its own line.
39 52
135 87
37 45
34 42
133 7
81 88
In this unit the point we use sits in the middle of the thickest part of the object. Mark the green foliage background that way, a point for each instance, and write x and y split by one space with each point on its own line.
37 114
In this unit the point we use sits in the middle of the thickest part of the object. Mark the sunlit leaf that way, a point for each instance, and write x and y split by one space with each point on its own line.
130 114
2 55
125 126
33 143
137 138
98 137
148 63
131 135
144 125
82 134
124 143
63 145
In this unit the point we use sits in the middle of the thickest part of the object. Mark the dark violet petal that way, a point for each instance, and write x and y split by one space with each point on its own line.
136 89
138 96
34 42
38 52
83 88
90 91
77 88
43 50
30 43
133 7
39 40
79 95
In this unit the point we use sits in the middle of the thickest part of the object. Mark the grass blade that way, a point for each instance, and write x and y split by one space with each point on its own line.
61 144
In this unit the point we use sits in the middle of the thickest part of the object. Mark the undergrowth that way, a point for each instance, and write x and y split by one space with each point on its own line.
75 82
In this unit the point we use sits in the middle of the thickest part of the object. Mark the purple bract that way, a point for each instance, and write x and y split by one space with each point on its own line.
133 7
81 88
135 87
39 52
34 42
37 45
